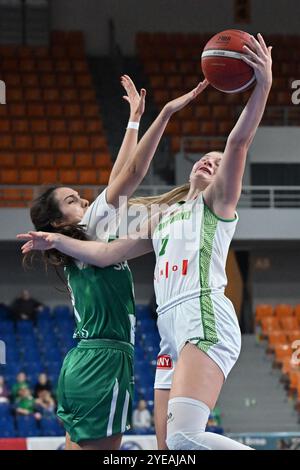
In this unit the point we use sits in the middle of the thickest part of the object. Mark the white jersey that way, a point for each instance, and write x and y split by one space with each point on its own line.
101 219
191 245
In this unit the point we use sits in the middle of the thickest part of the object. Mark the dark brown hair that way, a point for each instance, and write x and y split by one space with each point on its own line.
44 212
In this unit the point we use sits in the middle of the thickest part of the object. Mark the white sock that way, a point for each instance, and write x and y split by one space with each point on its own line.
187 419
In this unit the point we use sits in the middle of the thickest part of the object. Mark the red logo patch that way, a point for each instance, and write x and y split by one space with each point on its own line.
164 362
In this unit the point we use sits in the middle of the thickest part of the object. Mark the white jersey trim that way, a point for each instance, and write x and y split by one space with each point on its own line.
113 406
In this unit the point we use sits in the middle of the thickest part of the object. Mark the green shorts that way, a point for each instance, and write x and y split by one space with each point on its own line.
95 389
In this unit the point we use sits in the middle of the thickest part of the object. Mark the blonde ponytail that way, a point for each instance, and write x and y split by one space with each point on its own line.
171 197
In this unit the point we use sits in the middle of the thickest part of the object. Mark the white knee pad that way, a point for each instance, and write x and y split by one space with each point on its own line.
186 417
186 424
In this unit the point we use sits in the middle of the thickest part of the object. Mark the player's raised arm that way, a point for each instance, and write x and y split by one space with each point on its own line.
136 168
136 102
223 194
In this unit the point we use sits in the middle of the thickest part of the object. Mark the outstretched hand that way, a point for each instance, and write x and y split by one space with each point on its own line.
37 241
136 101
179 103
259 57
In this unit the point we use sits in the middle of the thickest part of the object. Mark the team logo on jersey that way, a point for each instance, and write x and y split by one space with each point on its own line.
164 362
168 269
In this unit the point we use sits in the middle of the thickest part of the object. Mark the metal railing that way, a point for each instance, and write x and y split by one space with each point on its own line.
252 197
264 197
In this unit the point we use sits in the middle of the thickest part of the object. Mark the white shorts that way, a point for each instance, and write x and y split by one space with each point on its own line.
210 322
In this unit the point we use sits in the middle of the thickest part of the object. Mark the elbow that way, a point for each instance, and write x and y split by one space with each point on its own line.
102 262
132 169
136 172
102 258
239 142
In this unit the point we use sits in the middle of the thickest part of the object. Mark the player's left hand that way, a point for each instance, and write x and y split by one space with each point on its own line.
175 105
259 57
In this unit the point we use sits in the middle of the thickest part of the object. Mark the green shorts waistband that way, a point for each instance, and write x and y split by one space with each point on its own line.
106 344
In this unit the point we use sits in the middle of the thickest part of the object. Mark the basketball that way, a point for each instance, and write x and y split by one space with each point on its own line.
222 64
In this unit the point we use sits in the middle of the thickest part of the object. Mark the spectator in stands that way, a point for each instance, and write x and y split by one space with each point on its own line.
103 298
4 392
25 307
25 403
46 403
21 383
43 383
141 418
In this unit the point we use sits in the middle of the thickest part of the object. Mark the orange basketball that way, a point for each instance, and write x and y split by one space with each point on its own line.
222 64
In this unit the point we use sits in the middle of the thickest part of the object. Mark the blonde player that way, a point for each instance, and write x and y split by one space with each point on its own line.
200 336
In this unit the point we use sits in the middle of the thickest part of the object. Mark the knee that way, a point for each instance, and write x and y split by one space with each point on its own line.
186 419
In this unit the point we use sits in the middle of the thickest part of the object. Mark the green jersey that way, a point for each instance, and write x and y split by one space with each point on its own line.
103 302
102 298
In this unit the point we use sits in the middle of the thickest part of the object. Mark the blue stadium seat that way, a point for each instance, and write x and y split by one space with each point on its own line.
65 348
12 368
139 352
151 337
33 369
24 326
142 311
146 393
30 355
139 364
27 345
44 323
53 369
27 426
12 354
5 410
49 339
7 428
8 336
7 326
149 322
51 427
152 351
62 311
45 314
146 379
53 355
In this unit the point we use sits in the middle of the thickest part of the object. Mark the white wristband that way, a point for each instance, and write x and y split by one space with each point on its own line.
133 125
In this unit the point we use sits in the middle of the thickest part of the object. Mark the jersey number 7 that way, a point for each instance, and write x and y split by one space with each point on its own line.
163 246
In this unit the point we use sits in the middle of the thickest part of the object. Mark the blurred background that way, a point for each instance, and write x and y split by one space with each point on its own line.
62 120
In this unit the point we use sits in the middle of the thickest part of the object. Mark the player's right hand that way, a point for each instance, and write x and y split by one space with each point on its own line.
37 241
136 101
